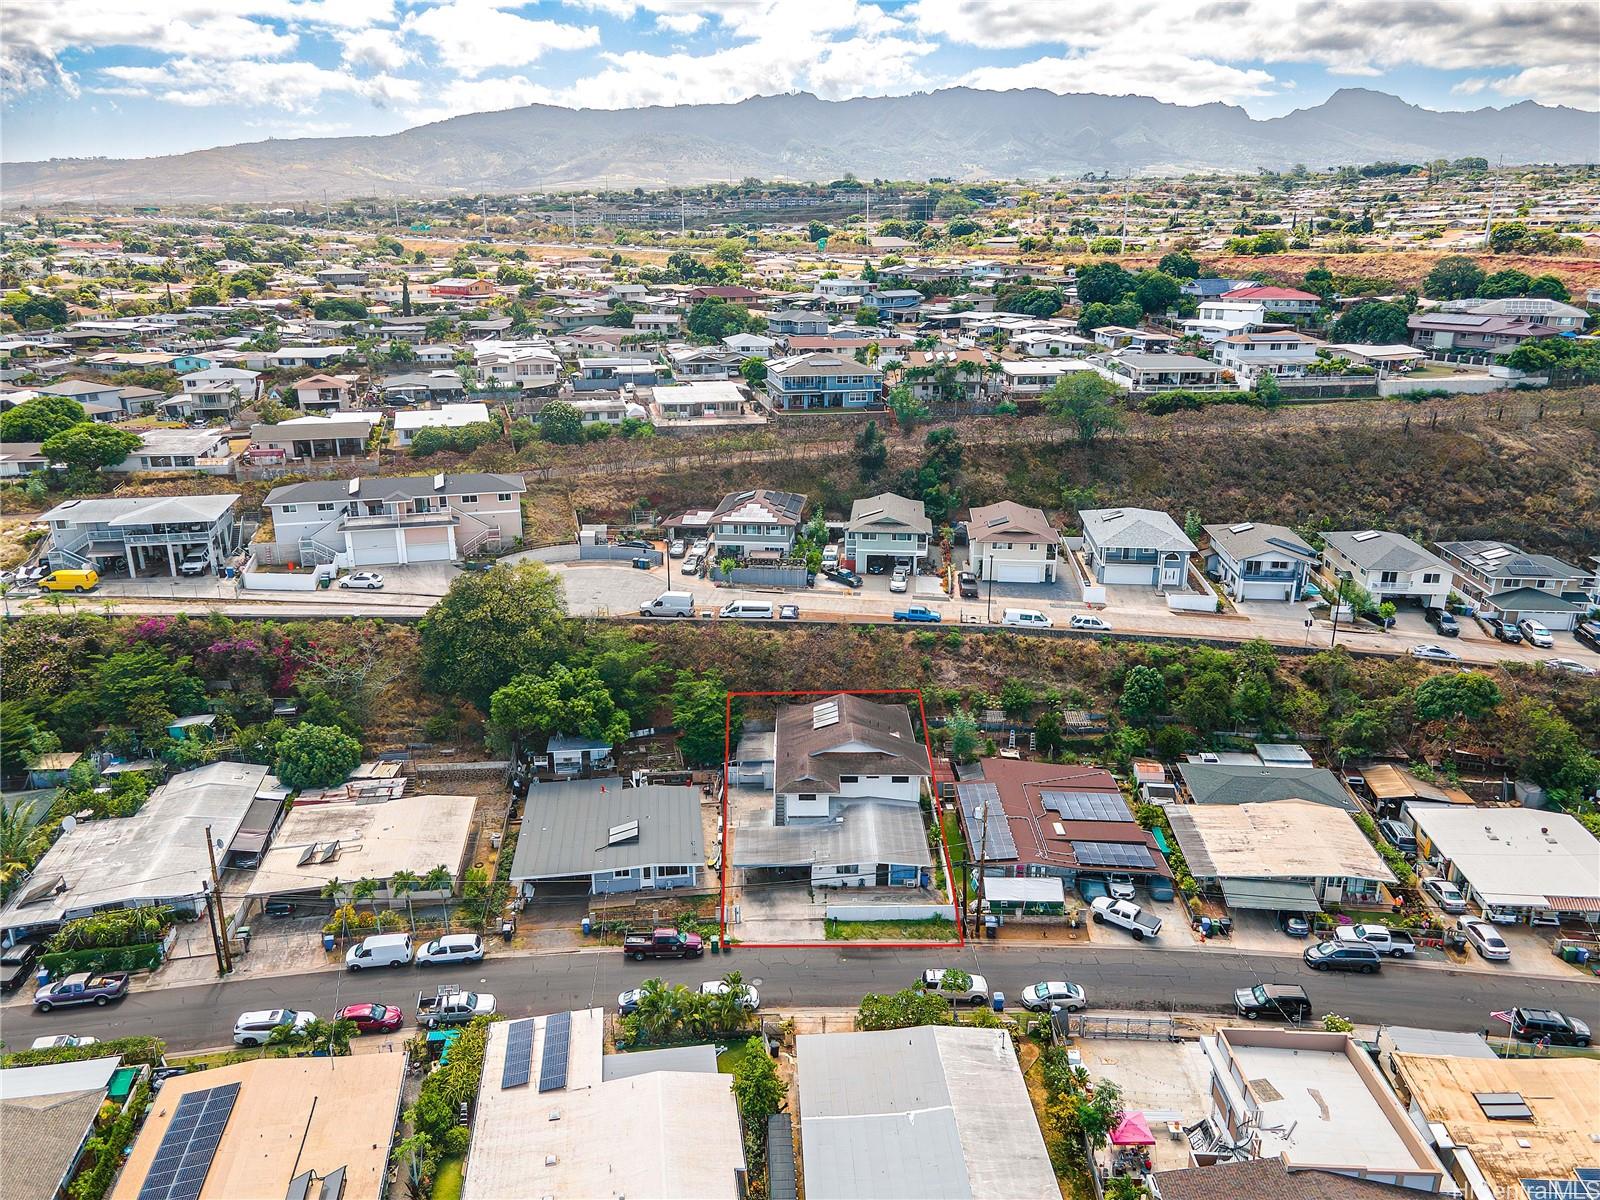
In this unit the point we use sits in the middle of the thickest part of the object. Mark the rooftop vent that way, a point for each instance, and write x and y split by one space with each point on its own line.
353 487
824 714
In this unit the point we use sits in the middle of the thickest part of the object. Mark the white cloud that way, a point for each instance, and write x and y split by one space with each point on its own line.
375 49
473 36
293 86
1570 84
683 23
1175 78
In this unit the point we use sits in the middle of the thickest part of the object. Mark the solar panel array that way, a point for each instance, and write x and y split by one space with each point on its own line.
553 1063
519 1054
1086 806
179 1169
1112 854
996 832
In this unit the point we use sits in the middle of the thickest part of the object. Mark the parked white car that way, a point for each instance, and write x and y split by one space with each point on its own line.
369 581
1090 622
1056 993
63 1041
1485 939
1570 665
254 1028
1120 884
451 948
975 992
900 580
1432 652
1445 894
749 998
1536 633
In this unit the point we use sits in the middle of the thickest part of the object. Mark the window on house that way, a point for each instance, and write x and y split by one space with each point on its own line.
849 779
1431 577
1389 577
289 508
1277 564
807 797
325 508
847 869
899 779
469 499
504 497
671 872
621 874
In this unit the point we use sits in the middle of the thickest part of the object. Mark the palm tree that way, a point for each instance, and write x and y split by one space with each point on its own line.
17 832
698 1018
437 880
657 1009
727 1007
366 889
403 883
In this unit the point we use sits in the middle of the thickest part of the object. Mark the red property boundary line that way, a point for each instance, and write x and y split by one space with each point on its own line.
727 832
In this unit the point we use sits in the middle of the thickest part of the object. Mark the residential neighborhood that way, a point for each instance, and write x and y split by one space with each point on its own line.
753 652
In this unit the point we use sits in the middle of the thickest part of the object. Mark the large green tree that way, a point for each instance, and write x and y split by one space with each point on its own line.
1144 694
1463 695
1372 323
91 445
712 320
1454 277
311 756
492 626
1083 399
700 710
1103 283
562 700
40 419
561 423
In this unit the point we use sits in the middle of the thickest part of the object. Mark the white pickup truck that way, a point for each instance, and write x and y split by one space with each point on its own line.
1396 943
1128 915
451 1006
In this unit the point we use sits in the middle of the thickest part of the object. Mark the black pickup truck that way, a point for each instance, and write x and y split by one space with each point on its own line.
16 965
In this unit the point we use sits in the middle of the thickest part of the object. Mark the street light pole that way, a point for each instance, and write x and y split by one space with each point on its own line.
988 605
1338 602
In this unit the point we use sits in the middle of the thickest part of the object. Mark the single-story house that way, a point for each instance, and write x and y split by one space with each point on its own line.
598 837
1237 783
310 437
1012 543
18 459
703 402
1161 372
1258 561
1138 546
447 416
423 387
567 754
49 1114
1284 855
1517 862
201 450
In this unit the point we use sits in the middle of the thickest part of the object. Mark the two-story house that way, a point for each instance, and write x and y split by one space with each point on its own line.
1290 301
1536 310
751 345
1282 352
1030 378
323 394
884 529
1161 372
216 394
374 521
1257 561
145 532
797 321
1140 546
1128 337
844 293
460 289
758 524
1012 543
529 366
811 382
703 362
1502 581
1473 332
1221 318
1390 566
848 775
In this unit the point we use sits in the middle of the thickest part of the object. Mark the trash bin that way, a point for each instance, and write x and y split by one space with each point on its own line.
1580 955
1205 926
43 977
999 1001
991 927
327 941
507 928
588 928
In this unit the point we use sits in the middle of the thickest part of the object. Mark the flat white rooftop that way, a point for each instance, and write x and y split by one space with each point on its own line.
1326 1112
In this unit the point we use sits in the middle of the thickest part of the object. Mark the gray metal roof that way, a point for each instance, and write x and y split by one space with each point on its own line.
566 826
936 1112
859 831
1225 783
675 1058
1385 551
1134 528
1247 539
142 510
405 487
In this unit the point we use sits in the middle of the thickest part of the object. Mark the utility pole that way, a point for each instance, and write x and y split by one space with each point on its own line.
983 850
224 958
211 924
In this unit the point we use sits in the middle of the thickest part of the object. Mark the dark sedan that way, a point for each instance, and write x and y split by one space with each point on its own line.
840 575
373 1018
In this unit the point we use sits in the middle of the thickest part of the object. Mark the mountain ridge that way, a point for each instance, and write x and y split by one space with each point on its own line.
961 132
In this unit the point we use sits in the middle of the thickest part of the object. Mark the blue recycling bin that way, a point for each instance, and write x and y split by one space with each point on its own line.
999 1001
327 941
587 927
43 977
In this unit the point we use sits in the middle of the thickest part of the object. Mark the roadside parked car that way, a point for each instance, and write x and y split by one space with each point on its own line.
917 612
788 612
1503 630
1042 997
1276 1001
1089 622
1535 633
1548 1025
749 998
254 1028
967 585
63 1041
97 988
369 581
372 1018
1025 618
1445 894
1443 622
1343 956
975 992
1485 939
1570 665
451 948
1432 652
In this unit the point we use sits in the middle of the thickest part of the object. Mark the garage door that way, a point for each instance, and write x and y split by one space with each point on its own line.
374 548
1129 573
427 545
1268 591
1018 572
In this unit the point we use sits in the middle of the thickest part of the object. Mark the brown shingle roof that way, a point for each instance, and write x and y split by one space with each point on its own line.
1009 520
806 758
1269 1179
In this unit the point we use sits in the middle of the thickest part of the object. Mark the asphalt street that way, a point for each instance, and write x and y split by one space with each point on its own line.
202 1016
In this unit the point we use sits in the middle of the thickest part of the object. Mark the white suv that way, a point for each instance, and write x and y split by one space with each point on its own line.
254 1028
1536 633
976 991
900 580
451 948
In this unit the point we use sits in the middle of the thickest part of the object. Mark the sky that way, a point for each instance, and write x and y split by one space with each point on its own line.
131 78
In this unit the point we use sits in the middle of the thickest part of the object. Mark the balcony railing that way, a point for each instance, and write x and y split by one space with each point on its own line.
391 520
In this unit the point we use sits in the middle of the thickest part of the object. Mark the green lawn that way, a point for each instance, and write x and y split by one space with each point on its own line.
931 929
955 841
730 1058
447 1183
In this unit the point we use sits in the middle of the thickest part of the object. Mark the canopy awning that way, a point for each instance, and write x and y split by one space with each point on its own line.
1132 1130
1046 890
1271 895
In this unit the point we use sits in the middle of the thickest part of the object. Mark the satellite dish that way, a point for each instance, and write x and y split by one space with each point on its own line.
68 824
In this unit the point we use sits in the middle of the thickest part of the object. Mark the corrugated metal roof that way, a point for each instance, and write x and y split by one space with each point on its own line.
566 825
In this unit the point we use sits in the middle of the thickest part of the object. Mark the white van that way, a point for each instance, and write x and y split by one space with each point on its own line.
669 604
1025 618
379 950
747 610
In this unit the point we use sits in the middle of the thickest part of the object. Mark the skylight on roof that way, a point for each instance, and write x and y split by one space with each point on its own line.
1367 536
628 831
1241 528
824 714
1497 552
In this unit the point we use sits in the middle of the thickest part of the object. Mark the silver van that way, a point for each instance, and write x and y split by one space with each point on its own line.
748 610
379 950
669 604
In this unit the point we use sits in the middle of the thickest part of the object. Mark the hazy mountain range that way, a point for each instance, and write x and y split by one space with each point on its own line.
957 132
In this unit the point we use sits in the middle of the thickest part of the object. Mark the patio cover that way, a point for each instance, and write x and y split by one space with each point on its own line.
1272 895
1132 1130
1047 890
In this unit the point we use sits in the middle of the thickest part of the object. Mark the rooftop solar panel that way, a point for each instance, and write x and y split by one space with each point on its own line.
1086 806
183 1159
519 1054
1112 854
995 833
553 1062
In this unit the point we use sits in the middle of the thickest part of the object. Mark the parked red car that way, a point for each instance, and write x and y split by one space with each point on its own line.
373 1018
